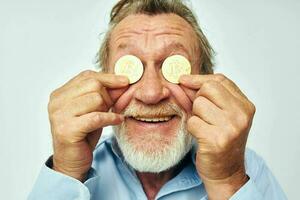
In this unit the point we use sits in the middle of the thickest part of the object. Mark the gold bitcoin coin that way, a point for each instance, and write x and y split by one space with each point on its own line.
130 66
175 66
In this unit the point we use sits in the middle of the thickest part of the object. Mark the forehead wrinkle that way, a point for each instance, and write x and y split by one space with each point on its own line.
149 29
124 34
166 49
170 30
127 38
149 24
128 31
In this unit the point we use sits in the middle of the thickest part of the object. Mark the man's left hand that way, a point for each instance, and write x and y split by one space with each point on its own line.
221 119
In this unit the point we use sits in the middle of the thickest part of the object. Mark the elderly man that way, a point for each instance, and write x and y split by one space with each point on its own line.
182 140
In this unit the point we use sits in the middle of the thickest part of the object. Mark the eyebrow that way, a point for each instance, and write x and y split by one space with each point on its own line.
171 47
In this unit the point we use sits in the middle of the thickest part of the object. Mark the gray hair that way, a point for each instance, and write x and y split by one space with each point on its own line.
125 8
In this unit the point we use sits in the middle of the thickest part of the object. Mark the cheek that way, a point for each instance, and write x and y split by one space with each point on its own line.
177 94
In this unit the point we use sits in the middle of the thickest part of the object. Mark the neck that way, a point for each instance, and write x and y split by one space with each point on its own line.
153 182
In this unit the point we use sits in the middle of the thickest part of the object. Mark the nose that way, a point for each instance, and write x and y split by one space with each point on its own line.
151 89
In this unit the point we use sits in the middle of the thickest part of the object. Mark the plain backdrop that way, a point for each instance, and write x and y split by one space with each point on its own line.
45 43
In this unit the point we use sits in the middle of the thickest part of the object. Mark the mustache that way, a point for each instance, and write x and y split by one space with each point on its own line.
162 109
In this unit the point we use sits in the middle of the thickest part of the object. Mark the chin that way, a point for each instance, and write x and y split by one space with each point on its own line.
151 148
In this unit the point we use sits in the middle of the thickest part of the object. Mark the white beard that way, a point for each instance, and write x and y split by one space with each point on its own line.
151 158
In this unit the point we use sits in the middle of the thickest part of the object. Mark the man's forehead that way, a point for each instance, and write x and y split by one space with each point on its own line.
161 33
156 25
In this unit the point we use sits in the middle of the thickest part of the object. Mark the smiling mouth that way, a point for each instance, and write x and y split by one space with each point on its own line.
151 119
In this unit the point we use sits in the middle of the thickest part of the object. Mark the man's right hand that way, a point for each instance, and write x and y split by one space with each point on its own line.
78 111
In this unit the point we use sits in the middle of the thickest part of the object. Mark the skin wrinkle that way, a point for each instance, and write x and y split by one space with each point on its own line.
166 51
155 149
188 40
123 34
171 46
174 28
153 39
131 43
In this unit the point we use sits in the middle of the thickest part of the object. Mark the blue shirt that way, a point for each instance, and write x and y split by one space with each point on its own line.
110 178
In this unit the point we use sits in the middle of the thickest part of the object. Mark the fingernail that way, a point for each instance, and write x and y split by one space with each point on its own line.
122 118
124 79
183 78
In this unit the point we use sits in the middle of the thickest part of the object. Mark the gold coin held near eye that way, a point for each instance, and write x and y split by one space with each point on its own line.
130 66
175 66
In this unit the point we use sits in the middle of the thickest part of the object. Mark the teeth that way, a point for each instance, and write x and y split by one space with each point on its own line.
161 119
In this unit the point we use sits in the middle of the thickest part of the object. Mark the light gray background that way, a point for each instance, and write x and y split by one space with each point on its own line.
44 43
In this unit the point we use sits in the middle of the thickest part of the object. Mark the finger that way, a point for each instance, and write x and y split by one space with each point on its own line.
217 94
199 128
107 80
233 88
189 92
82 88
112 80
116 93
79 77
195 81
85 104
95 120
106 97
208 111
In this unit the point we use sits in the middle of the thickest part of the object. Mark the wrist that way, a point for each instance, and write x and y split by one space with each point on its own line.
224 188
69 171
79 176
